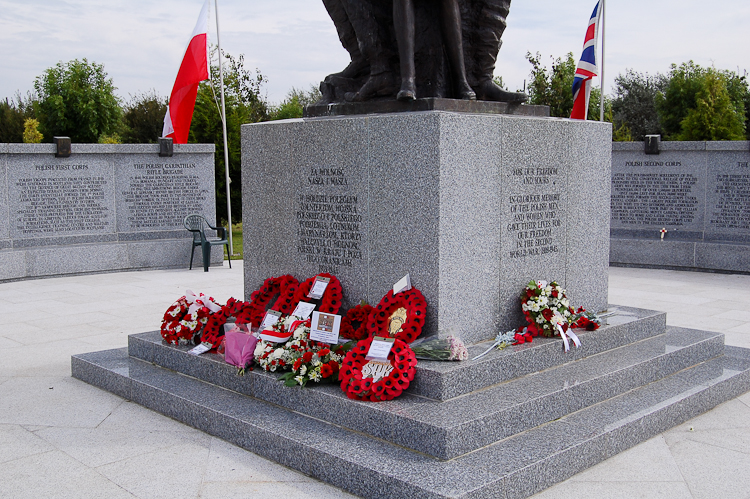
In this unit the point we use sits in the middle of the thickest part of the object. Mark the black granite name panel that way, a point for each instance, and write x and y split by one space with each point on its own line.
694 190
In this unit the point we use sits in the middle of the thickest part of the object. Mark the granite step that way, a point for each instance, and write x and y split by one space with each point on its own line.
447 429
445 380
515 467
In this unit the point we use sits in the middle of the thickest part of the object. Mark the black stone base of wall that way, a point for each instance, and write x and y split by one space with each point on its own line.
713 256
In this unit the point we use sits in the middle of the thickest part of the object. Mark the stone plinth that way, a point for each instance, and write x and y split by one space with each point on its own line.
107 207
472 206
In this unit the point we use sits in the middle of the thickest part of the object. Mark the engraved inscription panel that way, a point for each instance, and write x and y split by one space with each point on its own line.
329 221
60 198
665 199
536 228
158 195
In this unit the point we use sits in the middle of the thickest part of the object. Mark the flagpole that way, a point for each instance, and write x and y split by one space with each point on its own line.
601 80
224 130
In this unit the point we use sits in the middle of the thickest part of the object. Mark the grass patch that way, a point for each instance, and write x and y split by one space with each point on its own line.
236 242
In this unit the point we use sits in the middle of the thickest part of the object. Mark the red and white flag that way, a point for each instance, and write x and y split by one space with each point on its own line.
193 70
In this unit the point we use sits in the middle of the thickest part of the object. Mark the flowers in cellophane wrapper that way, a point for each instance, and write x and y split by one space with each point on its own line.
449 348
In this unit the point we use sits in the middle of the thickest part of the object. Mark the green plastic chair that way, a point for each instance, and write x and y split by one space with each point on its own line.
197 225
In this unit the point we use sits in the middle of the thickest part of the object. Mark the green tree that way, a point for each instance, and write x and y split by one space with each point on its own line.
244 104
295 102
715 116
552 87
143 119
634 104
13 115
77 100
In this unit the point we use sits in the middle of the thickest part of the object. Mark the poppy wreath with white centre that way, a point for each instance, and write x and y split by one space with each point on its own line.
356 387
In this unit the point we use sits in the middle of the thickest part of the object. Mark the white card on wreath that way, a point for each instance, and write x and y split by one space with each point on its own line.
380 348
271 318
318 288
303 310
325 328
403 285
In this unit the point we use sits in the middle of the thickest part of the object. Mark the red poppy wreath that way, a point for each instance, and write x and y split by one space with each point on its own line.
358 314
363 386
284 286
380 324
331 301
213 331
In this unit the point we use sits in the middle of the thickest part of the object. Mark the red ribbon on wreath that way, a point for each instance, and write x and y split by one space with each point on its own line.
416 311
331 301
404 364
360 313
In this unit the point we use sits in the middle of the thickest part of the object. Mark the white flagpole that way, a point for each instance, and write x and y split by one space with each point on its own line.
224 129
601 78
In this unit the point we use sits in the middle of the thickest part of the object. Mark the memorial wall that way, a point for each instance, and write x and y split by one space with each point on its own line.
686 207
105 207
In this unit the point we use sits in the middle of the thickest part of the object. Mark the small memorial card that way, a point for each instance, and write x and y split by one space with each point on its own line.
303 310
318 288
403 285
325 328
380 348
271 318
202 348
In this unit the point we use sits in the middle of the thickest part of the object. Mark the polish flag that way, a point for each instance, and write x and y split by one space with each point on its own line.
193 70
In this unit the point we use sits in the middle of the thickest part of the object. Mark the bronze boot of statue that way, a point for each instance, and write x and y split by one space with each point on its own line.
489 23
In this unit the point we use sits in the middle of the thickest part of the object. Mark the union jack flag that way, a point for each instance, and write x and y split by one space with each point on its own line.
587 68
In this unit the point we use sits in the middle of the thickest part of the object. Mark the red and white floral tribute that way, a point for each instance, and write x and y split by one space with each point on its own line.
184 318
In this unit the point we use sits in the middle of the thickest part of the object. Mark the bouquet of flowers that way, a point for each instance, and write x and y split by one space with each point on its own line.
449 348
546 307
307 360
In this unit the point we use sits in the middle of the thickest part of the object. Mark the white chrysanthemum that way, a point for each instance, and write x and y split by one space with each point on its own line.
314 375
299 379
303 370
540 319
277 353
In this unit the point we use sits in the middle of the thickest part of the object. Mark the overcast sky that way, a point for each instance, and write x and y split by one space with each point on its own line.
294 44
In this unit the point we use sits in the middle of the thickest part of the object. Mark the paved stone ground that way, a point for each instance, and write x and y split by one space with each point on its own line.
60 437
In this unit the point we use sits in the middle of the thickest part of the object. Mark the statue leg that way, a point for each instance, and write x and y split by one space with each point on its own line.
488 39
358 65
451 20
403 22
371 45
